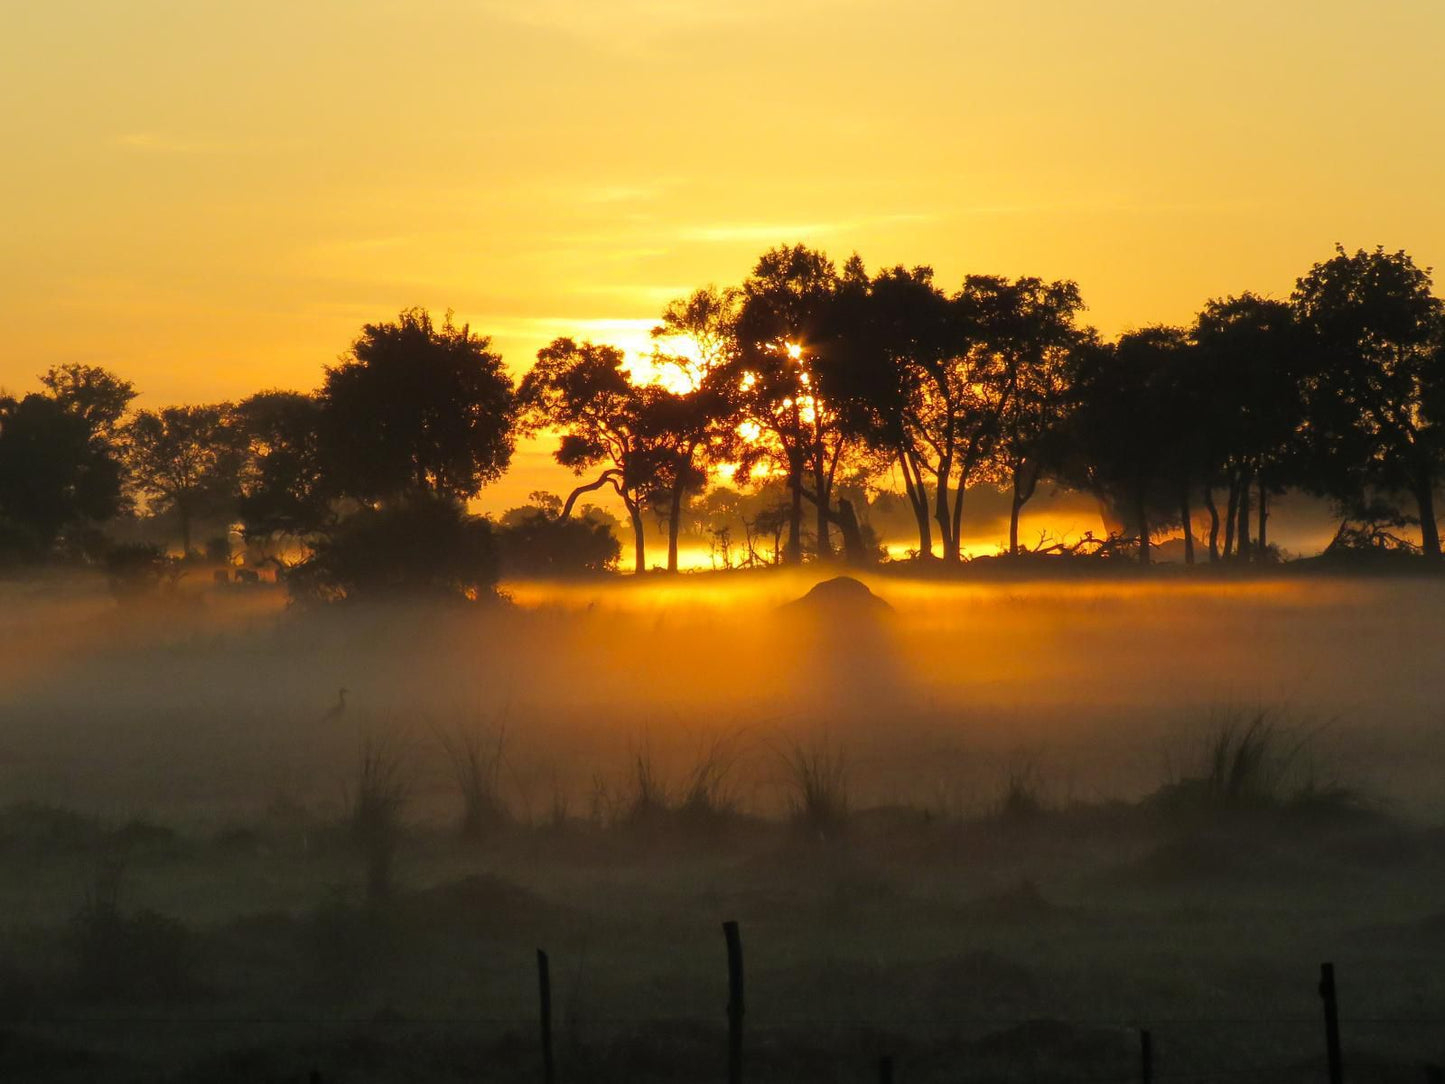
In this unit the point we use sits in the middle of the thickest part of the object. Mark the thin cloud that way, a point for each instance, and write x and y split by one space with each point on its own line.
784 231
162 143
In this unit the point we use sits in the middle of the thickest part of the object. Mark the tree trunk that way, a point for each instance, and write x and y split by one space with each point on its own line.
1231 515
942 510
825 543
918 498
794 554
1213 525
854 551
184 515
674 518
1263 521
1429 529
1241 534
639 555
958 515
1013 523
1142 511
1186 517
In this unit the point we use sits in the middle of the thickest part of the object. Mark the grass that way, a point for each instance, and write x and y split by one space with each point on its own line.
142 955
816 779
476 762
1254 760
376 810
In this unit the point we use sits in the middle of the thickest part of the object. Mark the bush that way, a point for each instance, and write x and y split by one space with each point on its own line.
423 546
535 542
139 570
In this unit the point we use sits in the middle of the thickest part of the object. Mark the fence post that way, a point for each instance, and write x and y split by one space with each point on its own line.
544 991
885 1069
1332 1023
735 1002
1146 1056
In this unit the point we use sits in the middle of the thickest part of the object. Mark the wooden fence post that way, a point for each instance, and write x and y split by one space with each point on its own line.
1332 1023
735 1002
544 991
1146 1056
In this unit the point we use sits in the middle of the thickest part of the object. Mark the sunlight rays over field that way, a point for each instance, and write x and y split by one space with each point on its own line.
1097 680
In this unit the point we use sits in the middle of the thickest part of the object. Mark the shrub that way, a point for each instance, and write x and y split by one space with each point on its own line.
423 546
535 542
139 569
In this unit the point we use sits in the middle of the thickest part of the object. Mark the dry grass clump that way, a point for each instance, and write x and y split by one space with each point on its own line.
382 791
816 779
1255 761
475 758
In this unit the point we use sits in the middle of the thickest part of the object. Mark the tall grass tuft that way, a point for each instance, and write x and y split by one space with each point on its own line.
382 791
1253 761
707 797
476 763
648 802
816 777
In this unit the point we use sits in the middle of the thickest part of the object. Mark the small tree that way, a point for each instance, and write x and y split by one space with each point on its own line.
583 390
185 459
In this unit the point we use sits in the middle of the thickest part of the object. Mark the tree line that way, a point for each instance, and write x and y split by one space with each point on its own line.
821 379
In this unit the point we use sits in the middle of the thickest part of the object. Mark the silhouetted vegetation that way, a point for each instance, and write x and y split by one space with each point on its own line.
821 395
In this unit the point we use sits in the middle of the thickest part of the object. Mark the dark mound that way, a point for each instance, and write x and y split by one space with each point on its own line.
842 596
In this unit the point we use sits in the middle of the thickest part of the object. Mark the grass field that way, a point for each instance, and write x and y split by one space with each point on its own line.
991 832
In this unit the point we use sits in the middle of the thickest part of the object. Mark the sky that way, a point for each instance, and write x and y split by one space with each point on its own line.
211 197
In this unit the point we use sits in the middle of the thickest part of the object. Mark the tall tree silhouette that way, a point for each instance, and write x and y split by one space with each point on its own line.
56 474
699 418
285 492
417 408
1124 424
185 459
94 394
1246 410
783 330
1377 389
1031 329
583 390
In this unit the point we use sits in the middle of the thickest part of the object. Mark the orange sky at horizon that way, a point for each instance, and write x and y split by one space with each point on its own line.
212 198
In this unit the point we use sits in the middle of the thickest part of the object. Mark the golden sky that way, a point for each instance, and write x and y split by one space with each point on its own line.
211 197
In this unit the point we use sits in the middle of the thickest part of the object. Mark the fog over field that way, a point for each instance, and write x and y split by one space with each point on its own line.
210 706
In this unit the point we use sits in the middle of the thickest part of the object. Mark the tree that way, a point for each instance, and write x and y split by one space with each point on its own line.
1033 332
1247 410
1124 422
92 393
55 474
185 459
583 390
416 408
700 417
284 490
784 334
1376 393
